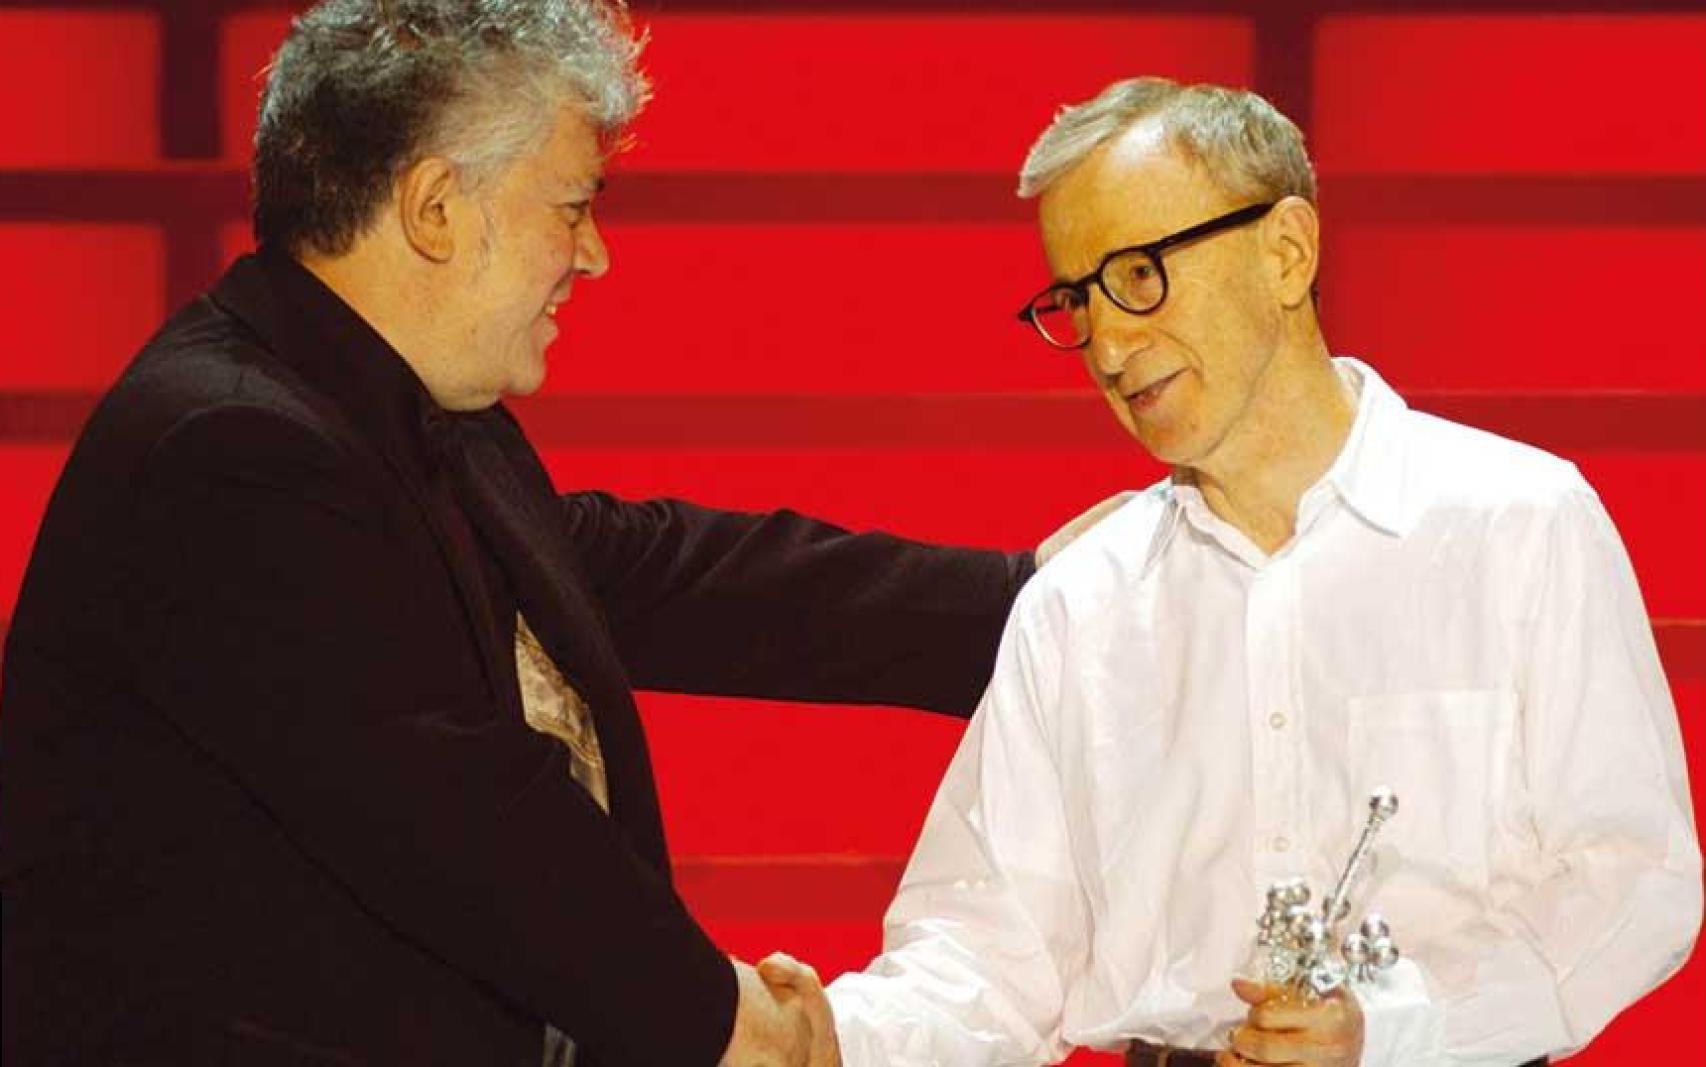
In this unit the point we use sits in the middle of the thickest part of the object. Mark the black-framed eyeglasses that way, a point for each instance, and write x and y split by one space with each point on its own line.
1134 279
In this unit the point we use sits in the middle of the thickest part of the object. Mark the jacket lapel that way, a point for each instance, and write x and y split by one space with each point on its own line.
383 407
509 499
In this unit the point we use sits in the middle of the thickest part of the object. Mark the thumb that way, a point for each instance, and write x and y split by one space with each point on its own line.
1251 993
779 968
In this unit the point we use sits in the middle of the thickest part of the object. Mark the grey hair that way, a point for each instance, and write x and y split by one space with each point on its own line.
1247 147
363 89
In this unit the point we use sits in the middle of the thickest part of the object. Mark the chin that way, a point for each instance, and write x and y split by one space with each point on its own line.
528 381
1154 439
1171 448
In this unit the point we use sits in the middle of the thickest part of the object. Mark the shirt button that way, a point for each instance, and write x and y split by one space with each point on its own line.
1281 844
1277 720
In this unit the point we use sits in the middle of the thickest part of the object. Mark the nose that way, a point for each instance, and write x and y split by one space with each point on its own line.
592 257
1116 337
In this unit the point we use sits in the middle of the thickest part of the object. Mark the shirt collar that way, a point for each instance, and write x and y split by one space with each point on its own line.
1369 474
308 326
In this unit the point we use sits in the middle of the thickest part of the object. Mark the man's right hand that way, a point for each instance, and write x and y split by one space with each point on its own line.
781 971
1281 1029
772 1024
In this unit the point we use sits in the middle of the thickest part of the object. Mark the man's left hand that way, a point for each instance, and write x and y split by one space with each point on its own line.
1279 1028
1079 524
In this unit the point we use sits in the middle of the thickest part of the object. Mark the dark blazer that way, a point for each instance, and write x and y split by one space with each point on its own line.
269 793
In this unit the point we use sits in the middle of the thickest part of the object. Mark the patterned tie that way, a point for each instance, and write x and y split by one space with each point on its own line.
553 707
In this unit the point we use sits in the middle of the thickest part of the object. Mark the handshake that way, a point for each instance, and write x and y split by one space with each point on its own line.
783 1018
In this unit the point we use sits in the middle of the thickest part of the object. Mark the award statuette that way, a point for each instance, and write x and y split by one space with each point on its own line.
1297 944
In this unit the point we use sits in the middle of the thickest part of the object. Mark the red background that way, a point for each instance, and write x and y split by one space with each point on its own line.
816 253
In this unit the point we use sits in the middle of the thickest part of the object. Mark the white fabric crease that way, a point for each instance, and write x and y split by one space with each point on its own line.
1177 720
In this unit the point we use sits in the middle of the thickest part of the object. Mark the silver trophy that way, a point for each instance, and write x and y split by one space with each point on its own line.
1297 944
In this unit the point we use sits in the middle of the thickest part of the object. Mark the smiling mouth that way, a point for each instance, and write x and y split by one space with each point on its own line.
1148 395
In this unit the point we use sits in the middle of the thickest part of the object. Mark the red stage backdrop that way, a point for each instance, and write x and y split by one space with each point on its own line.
817 252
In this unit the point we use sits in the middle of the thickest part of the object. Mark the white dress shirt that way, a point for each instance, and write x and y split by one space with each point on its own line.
1177 719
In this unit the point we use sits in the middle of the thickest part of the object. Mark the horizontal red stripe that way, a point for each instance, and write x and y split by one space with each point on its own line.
1297 10
789 888
929 307
755 778
851 884
1061 421
934 196
1300 10
773 884
1068 420
1013 497
200 192
1381 104
1682 647
205 194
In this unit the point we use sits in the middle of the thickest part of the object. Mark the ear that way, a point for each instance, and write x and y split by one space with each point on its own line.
1293 236
427 198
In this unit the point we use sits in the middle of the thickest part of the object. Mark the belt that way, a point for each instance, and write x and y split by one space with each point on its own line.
1143 1054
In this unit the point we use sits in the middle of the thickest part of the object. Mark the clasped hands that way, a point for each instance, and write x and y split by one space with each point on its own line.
783 1018
1279 1028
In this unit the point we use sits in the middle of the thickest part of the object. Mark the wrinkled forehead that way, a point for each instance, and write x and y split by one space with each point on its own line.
1133 189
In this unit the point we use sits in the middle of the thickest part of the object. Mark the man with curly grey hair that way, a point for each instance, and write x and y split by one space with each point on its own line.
320 745
1331 594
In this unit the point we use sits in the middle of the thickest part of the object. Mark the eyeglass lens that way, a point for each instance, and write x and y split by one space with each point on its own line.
1132 280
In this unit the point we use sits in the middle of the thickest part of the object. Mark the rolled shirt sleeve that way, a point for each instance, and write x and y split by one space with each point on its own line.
989 928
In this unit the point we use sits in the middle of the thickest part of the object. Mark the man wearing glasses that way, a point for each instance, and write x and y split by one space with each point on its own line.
1330 594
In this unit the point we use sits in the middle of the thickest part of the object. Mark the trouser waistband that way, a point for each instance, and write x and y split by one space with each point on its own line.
1144 1054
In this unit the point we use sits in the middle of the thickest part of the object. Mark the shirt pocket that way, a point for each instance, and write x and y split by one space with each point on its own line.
1442 753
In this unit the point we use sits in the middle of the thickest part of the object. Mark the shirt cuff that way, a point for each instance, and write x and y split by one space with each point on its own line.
1401 1025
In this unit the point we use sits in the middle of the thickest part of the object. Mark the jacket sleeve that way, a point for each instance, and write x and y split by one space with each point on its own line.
279 631
782 606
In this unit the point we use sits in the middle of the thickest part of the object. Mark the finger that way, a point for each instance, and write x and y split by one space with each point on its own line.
1251 992
779 968
1266 1047
783 959
1285 1014
1323 1019
807 992
826 1046
805 968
